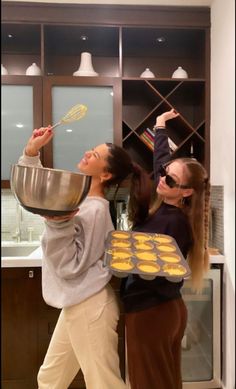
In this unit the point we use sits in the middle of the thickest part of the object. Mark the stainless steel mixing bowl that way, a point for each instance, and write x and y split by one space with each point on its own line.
50 192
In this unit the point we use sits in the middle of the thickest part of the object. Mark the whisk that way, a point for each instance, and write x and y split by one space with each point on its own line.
75 113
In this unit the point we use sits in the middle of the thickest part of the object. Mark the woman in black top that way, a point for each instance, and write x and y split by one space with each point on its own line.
155 313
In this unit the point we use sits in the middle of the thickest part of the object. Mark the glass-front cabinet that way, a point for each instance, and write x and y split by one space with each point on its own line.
21 113
201 344
73 139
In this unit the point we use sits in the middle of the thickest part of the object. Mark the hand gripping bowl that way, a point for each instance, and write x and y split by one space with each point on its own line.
48 192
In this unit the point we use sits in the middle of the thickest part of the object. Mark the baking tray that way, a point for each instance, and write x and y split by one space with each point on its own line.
146 254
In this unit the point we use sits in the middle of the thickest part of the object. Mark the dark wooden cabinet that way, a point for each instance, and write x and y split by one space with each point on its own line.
144 100
123 41
27 326
21 293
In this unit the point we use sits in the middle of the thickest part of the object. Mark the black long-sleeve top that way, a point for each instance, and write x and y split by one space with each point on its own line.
139 294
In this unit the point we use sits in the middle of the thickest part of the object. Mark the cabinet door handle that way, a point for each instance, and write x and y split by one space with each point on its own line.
31 274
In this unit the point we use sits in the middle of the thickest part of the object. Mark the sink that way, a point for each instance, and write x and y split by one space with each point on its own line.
17 251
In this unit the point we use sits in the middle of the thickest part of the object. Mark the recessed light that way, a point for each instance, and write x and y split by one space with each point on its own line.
161 39
69 130
10 35
19 125
84 37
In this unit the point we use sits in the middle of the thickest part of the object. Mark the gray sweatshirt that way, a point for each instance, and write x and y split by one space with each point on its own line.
73 251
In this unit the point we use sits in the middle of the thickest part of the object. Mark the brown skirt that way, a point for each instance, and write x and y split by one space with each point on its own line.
154 345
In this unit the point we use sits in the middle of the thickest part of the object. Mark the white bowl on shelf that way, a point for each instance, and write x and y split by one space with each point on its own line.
4 71
147 74
86 66
81 73
180 73
33 70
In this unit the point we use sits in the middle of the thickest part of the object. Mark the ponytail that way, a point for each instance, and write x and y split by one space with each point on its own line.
121 167
197 209
140 195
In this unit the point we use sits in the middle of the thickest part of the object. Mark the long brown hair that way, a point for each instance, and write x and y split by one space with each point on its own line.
121 166
196 207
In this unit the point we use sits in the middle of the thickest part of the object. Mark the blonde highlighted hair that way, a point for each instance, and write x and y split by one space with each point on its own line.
196 207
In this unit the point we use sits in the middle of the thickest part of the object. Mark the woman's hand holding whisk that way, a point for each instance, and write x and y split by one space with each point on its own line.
39 138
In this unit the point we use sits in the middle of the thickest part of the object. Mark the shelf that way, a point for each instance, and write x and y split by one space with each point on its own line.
122 50
21 39
192 142
189 99
142 50
139 152
138 100
64 59
18 53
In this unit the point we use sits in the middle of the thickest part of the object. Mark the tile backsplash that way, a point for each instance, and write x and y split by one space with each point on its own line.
216 233
15 217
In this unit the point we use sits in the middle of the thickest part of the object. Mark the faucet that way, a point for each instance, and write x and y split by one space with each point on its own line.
17 235
30 231
18 232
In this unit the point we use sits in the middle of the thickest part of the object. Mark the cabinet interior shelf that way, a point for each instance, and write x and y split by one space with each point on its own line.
121 50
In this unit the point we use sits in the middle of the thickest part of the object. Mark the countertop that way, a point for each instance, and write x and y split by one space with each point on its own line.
35 260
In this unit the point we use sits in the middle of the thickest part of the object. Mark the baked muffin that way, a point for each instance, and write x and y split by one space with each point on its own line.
141 236
122 264
148 267
120 253
172 258
167 248
161 238
122 243
120 234
146 255
142 245
174 269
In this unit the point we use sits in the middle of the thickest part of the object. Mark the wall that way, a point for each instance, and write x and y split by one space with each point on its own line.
216 224
223 157
126 2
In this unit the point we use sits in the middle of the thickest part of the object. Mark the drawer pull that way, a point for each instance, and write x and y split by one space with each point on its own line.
31 274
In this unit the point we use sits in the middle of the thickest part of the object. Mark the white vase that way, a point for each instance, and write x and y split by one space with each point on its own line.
147 74
86 67
33 70
180 73
4 71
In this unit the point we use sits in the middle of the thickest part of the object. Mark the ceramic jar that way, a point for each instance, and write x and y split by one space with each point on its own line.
86 67
147 74
33 70
4 71
180 73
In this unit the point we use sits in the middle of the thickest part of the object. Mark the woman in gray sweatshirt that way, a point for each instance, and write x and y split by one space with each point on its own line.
73 276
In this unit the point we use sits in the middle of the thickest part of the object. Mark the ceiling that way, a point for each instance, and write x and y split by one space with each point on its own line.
127 2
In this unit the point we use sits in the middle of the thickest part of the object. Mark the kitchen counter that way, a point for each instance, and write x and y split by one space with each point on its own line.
35 260
32 260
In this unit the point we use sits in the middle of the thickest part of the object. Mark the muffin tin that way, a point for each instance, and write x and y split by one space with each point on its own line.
146 254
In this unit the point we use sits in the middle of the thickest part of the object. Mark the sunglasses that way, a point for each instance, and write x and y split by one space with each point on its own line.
170 180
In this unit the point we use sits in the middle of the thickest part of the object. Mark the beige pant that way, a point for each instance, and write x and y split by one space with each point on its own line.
85 337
